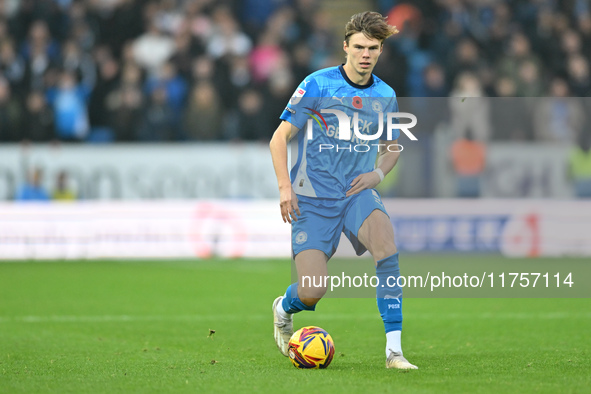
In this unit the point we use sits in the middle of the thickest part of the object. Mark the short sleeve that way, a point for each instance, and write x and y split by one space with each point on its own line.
305 96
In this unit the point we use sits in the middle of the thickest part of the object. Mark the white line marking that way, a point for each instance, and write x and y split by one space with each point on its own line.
325 317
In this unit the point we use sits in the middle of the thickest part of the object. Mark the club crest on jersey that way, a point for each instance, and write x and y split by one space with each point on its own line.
301 237
377 106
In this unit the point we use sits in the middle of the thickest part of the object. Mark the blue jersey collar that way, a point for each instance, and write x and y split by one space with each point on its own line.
344 74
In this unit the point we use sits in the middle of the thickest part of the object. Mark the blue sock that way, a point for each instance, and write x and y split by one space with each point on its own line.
291 302
389 298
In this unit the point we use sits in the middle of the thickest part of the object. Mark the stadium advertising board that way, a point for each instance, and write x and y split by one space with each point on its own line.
206 228
216 171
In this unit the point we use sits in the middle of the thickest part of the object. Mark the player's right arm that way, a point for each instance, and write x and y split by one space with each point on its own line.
288 200
294 118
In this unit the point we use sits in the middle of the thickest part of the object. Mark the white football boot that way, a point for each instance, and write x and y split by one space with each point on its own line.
282 327
397 360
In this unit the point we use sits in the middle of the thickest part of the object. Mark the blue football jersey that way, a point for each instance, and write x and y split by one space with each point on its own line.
330 149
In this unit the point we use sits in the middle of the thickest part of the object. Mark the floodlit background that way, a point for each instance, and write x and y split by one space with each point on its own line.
140 128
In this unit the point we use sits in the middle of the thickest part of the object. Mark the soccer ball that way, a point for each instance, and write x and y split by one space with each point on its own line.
311 347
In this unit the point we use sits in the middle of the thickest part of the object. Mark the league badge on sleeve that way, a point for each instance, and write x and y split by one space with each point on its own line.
297 96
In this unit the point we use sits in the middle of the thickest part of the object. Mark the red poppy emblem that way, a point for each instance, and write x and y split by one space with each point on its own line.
357 103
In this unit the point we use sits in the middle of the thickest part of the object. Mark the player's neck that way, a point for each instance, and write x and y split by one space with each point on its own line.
354 76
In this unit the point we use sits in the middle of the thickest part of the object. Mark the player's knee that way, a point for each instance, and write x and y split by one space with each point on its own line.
311 295
383 248
312 287
310 301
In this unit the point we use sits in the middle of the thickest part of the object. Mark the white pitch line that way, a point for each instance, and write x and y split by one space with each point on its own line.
319 317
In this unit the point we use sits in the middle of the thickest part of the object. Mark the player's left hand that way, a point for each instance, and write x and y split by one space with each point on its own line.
369 180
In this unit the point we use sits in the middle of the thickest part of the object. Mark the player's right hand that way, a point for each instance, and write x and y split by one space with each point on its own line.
288 201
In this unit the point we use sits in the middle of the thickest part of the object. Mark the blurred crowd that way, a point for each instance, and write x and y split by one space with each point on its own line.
177 70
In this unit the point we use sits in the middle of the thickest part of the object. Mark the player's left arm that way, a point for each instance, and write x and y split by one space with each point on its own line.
387 159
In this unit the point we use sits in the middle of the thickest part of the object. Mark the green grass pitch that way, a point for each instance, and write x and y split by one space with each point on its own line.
131 326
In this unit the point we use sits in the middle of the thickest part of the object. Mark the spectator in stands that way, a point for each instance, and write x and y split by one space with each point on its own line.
584 28
543 39
510 116
10 114
469 110
203 115
186 49
558 118
432 109
118 22
580 166
32 189
125 104
40 41
528 42
392 67
469 161
409 44
265 58
443 43
131 75
83 35
282 24
82 27
153 48
321 40
252 121
12 65
202 69
518 54
78 63
159 122
578 75
552 27
497 36
570 45
302 58
169 16
435 84
125 112
235 81
256 13
529 81
128 56
305 10
4 28
279 91
36 66
108 81
466 58
176 87
69 101
62 191
239 74
227 39
37 125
